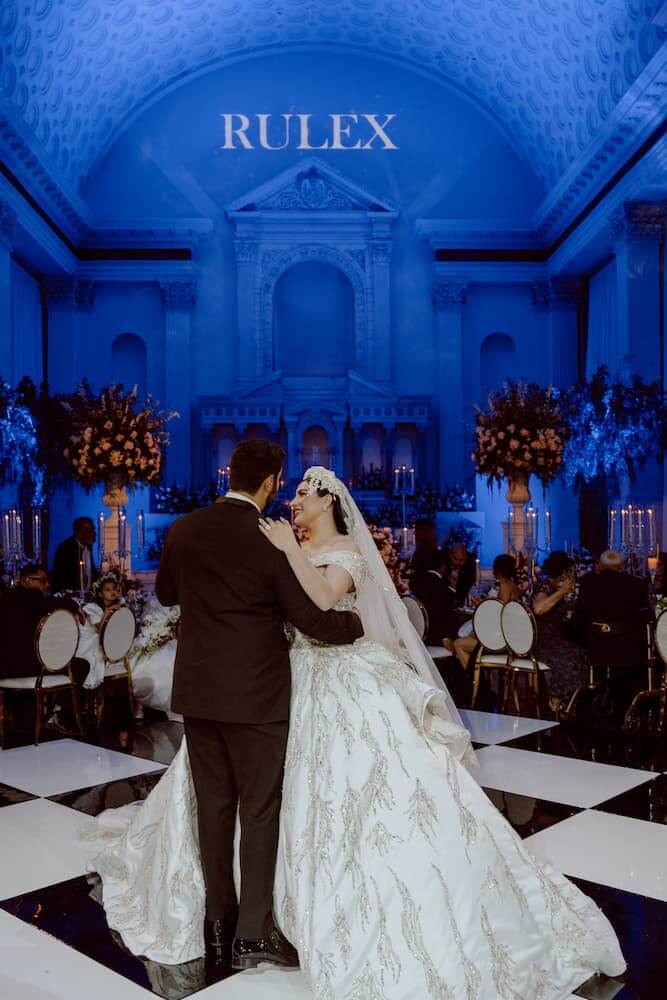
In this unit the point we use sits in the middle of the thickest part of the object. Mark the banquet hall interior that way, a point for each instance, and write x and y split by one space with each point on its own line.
419 243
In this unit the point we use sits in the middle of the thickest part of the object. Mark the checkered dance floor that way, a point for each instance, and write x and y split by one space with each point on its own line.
595 806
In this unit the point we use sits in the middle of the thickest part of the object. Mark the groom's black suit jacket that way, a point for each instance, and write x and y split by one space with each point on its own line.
235 591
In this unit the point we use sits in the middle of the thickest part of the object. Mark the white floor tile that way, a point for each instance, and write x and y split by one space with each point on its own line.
67 765
492 728
613 850
35 966
38 846
557 779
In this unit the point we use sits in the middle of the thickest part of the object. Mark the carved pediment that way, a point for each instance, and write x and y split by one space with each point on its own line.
310 186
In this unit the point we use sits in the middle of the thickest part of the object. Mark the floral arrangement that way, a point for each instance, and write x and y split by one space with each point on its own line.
397 566
615 425
523 432
158 627
19 451
114 434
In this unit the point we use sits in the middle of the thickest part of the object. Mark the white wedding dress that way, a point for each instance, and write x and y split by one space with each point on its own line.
397 879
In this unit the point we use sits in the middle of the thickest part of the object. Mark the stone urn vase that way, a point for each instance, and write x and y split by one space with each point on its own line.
116 492
518 492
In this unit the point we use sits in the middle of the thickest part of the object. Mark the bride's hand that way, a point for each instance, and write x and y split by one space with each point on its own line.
279 533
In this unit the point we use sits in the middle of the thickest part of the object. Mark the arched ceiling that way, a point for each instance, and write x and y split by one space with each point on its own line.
552 71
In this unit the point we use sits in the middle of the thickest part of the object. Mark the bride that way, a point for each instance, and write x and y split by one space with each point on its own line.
396 877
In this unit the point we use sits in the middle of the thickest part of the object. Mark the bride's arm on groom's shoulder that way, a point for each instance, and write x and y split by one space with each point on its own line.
324 589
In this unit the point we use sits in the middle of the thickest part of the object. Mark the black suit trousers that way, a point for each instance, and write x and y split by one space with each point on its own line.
238 766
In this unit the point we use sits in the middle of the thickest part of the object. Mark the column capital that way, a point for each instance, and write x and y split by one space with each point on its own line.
245 251
178 294
68 291
638 220
560 291
8 219
381 251
449 294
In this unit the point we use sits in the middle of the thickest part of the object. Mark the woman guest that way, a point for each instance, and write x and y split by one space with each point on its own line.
106 598
554 647
504 571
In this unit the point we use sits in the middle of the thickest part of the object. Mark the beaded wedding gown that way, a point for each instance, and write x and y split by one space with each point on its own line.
396 879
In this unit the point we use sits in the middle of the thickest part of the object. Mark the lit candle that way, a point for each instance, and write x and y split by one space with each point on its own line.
624 528
547 529
141 538
478 571
6 537
652 565
100 536
81 586
510 528
396 475
412 480
37 535
651 529
19 536
121 531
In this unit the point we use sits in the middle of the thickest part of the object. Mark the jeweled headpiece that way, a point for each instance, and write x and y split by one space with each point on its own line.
319 478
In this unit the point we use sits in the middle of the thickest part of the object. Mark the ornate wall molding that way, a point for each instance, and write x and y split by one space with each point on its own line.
449 294
560 291
8 219
178 294
69 292
638 220
311 212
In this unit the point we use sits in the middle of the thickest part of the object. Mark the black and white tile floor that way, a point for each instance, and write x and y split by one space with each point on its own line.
593 804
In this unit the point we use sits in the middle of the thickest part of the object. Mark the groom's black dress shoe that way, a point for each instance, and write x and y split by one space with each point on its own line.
273 947
218 936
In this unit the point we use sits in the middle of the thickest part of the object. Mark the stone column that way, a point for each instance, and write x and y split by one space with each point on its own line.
380 350
67 300
560 298
251 359
637 230
448 301
178 299
7 227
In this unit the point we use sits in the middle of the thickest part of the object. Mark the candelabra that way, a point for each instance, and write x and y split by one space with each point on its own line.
404 487
223 480
631 527
12 543
114 539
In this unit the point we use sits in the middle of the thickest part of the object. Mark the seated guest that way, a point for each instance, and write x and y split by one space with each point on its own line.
432 590
555 646
460 570
504 572
426 546
611 595
21 610
106 598
73 566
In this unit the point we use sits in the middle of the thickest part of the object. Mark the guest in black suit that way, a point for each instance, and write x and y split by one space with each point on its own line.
460 570
21 610
73 556
426 549
232 685
432 589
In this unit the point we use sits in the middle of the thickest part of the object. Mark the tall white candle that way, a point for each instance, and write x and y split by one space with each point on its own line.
141 538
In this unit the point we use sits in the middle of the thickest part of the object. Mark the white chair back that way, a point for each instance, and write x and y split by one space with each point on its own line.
661 635
118 634
486 625
57 640
518 628
417 615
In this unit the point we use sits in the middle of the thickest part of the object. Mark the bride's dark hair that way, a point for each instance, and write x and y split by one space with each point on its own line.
339 520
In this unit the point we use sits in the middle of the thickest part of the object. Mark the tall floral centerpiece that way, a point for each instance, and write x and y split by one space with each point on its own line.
119 441
522 433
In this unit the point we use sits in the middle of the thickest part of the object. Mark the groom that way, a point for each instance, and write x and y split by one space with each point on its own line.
232 685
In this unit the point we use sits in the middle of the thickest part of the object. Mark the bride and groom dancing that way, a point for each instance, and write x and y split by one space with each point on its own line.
385 872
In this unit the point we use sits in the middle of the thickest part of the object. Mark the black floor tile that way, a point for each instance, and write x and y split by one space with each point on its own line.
528 815
95 800
604 746
647 801
159 742
10 796
68 912
641 926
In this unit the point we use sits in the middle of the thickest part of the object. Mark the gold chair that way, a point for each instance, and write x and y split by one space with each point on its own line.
520 633
116 640
491 651
56 643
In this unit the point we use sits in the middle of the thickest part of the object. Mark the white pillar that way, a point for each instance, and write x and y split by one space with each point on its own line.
251 348
560 298
380 350
178 299
448 301
67 301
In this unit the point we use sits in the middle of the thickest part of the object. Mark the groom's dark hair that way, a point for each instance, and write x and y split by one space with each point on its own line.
252 462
